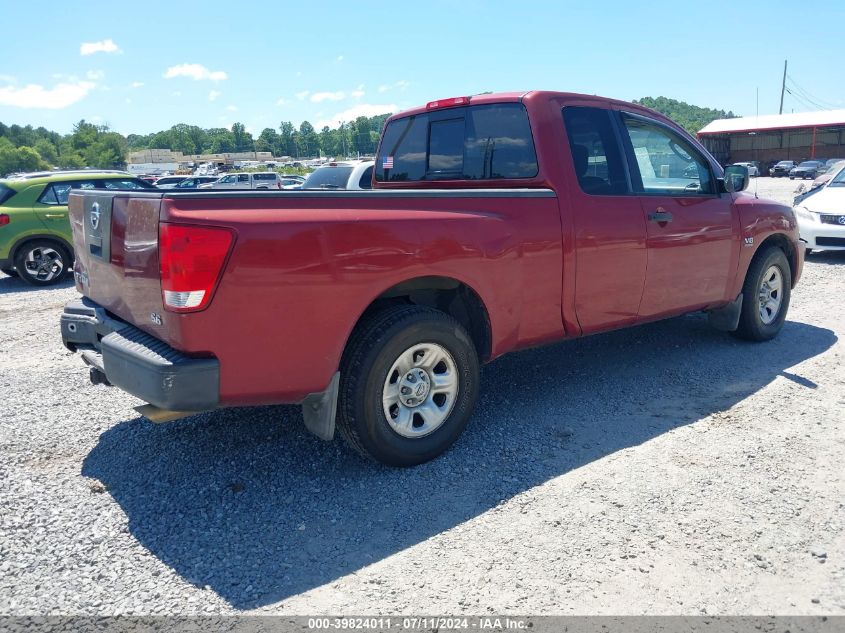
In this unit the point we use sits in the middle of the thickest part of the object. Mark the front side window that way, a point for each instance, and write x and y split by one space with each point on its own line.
470 143
6 193
243 177
666 163
596 155
228 179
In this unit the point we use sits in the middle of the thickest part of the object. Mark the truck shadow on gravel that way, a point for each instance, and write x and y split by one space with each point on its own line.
247 503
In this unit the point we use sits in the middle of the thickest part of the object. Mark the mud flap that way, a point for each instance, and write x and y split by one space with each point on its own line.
726 318
319 409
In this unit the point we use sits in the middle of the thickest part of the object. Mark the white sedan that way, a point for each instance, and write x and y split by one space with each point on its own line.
753 172
821 215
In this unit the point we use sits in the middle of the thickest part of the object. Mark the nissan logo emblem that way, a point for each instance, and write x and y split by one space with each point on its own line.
95 215
842 219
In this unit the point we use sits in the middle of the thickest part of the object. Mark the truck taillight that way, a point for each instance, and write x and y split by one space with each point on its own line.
190 262
4 219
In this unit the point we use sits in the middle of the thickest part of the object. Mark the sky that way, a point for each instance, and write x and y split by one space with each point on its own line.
143 67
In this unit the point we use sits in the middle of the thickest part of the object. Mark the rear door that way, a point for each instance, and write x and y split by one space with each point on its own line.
692 253
51 205
610 233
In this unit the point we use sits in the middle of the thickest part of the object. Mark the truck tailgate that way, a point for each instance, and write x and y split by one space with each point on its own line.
115 238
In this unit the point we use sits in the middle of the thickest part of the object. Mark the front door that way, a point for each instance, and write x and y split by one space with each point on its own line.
692 252
610 233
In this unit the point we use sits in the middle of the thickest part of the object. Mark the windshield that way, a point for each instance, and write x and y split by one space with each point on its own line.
809 163
6 193
785 163
328 178
838 180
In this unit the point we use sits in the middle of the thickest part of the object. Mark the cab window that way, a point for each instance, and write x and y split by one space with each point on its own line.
125 183
366 181
596 154
664 162
470 143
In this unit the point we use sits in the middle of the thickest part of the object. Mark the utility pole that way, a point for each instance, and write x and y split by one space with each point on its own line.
782 87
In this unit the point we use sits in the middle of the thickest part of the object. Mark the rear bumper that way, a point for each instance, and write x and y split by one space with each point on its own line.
139 363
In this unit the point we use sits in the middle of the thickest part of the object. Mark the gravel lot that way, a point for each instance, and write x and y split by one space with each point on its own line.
666 469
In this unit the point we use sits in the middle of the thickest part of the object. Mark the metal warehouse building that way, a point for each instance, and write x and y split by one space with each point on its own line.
798 136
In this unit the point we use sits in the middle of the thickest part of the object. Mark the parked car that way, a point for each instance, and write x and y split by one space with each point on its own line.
35 237
169 182
149 179
345 175
752 167
806 169
821 215
375 309
246 180
782 168
193 182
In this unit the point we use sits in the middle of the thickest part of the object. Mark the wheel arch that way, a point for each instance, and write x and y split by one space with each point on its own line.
23 241
781 241
447 294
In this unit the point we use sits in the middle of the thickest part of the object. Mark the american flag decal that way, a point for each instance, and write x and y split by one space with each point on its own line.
387 163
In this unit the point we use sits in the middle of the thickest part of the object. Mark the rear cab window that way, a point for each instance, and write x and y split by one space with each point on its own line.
596 155
328 178
264 176
481 142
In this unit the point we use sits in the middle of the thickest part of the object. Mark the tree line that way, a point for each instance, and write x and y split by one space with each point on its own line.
24 148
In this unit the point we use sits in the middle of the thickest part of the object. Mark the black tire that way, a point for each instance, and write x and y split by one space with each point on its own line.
372 350
10 271
751 325
35 279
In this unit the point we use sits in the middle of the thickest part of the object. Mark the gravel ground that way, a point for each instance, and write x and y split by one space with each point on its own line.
666 469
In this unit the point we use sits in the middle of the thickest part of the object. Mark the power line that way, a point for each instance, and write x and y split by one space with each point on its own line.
821 103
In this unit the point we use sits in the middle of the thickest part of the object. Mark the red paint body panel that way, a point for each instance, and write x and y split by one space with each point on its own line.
554 264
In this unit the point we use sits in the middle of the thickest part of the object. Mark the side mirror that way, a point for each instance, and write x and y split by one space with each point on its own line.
736 178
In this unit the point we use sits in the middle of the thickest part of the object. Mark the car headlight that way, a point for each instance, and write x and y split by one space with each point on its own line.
804 213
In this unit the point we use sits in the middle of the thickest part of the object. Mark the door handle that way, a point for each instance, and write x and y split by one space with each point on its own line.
54 215
660 216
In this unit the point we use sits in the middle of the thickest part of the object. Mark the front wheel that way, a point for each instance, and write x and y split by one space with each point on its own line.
42 262
765 296
409 383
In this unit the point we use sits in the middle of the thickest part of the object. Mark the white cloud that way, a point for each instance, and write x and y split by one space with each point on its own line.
196 72
399 85
340 58
35 96
282 101
319 97
8 79
136 84
232 108
303 94
362 109
95 75
177 94
213 94
128 100
358 92
104 46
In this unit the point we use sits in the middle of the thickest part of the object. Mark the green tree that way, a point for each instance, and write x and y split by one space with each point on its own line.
308 141
692 118
47 151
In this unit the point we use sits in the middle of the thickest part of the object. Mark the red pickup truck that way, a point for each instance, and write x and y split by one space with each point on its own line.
496 222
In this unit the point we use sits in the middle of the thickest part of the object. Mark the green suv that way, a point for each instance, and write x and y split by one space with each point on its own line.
35 238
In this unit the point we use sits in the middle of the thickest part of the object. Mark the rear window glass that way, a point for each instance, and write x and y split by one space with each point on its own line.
126 183
328 178
475 143
58 193
6 193
264 176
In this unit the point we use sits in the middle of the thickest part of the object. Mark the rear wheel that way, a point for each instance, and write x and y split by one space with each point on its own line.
42 262
765 296
409 382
